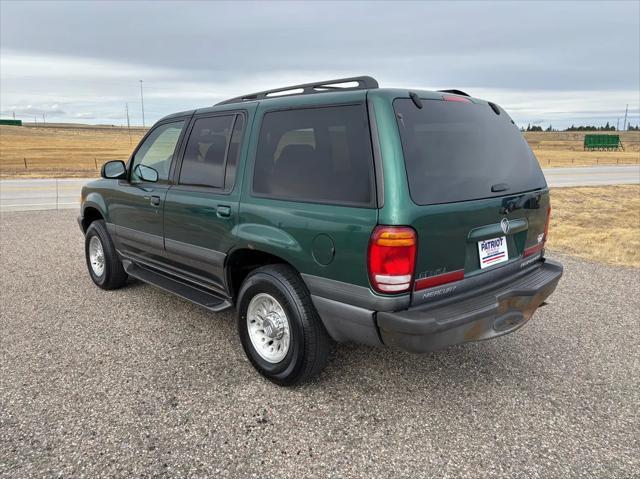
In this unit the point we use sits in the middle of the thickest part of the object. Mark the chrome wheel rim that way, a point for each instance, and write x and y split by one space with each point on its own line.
96 256
269 329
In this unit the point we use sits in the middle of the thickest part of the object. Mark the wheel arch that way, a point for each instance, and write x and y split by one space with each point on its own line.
90 214
93 208
241 261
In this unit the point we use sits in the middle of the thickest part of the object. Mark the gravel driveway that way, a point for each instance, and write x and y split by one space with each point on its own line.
136 382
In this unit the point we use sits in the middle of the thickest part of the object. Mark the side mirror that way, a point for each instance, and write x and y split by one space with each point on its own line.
114 170
146 173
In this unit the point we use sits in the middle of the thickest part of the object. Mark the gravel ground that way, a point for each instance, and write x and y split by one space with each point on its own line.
136 382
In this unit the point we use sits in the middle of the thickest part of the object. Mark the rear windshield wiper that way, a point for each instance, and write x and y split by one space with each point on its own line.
530 200
499 187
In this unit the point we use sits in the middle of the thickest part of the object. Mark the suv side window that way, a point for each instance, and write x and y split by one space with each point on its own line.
210 143
320 155
157 150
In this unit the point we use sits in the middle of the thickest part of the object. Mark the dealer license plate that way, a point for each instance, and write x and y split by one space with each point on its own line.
493 251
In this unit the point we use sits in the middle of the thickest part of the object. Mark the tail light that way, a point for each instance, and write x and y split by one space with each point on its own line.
541 243
392 257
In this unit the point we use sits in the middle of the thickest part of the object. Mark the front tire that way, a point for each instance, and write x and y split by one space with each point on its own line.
105 268
280 330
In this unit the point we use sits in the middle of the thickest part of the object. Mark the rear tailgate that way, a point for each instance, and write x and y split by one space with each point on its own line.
481 200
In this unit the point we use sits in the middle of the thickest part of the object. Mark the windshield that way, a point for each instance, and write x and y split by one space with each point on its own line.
457 151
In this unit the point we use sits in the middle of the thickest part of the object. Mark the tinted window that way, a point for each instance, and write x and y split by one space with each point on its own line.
315 154
234 151
157 150
204 157
456 151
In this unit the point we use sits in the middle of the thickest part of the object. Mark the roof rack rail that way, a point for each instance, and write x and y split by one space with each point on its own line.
364 83
455 92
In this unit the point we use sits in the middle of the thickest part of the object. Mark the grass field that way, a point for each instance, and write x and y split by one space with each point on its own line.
564 148
597 223
79 151
27 152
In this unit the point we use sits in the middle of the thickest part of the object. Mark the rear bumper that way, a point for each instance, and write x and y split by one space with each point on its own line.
487 315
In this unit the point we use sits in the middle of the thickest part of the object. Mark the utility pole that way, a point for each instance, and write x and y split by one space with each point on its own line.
618 124
624 128
126 105
44 121
14 115
142 102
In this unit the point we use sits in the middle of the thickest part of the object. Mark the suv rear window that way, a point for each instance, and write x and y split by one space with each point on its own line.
315 154
456 151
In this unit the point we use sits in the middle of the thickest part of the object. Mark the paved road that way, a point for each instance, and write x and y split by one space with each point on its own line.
139 383
20 195
592 175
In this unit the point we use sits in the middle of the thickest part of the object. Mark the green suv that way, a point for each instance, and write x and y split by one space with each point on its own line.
329 212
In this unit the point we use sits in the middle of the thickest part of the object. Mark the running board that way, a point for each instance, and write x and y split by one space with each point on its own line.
180 288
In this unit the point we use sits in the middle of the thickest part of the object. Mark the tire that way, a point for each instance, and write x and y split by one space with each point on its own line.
112 274
309 344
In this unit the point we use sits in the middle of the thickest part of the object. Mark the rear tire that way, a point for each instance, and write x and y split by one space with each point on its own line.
105 268
280 330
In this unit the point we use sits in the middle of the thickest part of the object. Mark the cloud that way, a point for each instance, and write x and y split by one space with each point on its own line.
31 110
541 59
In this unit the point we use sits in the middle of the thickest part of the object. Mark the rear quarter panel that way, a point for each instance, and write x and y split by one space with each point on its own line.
304 233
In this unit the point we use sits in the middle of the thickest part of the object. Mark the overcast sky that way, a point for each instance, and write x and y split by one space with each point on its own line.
555 62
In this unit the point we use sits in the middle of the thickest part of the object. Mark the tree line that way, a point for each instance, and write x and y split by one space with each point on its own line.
606 127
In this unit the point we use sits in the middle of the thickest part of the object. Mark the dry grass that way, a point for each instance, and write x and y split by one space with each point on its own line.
564 148
61 152
597 223
67 151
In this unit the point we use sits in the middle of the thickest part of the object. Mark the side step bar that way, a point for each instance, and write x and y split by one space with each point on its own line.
180 288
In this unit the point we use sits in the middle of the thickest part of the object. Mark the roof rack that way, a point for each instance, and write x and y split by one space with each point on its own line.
364 83
455 92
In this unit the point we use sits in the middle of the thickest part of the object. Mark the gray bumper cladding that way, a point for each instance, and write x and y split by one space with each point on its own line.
488 315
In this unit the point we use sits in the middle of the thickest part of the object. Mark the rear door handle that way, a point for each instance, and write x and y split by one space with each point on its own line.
223 211
155 200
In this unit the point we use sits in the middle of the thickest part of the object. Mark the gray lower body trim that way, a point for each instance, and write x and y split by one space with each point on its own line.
128 237
347 323
355 295
202 261
199 255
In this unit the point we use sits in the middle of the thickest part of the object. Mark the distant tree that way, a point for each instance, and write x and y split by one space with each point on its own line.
529 127
549 128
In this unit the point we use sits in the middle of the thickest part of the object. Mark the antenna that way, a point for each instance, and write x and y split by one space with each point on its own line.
142 102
